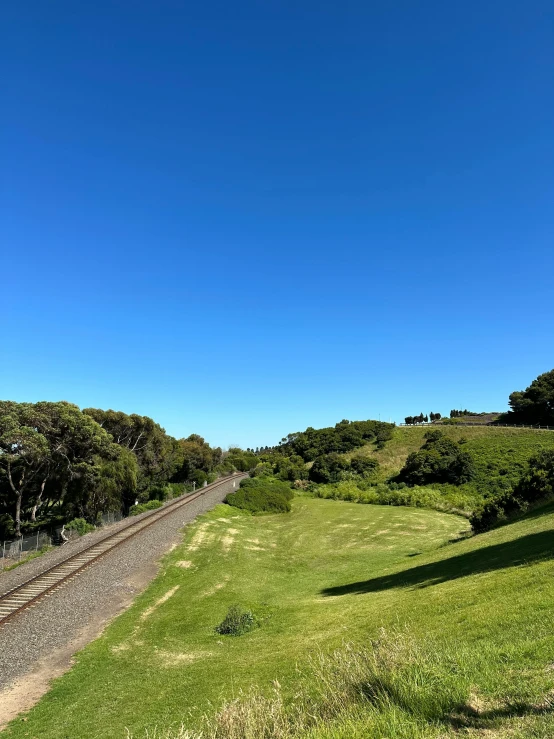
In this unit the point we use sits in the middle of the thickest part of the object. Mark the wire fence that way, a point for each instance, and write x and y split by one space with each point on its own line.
537 427
15 550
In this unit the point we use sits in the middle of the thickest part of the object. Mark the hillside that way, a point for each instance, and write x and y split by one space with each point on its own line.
458 644
493 448
499 455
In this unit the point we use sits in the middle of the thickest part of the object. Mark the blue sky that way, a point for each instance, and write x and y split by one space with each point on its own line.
246 218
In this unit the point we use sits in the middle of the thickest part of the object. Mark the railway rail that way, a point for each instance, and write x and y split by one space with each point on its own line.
39 586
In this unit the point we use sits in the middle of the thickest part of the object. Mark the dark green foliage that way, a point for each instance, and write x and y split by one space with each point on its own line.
79 525
334 467
535 405
156 492
135 510
53 456
536 486
440 460
157 454
237 622
329 468
364 466
262 495
58 462
344 437
241 460
194 453
459 414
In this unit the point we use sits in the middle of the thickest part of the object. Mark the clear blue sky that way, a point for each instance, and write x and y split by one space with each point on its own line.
246 218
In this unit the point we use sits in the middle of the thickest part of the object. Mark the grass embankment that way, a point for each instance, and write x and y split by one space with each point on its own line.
469 628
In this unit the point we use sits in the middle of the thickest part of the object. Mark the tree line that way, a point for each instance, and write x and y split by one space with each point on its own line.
413 420
58 461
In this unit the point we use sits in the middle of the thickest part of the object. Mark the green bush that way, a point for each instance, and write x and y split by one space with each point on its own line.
364 466
262 495
237 622
536 486
79 525
439 460
329 468
159 492
136 510
399 494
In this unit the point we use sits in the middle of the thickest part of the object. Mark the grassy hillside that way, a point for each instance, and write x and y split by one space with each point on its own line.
499 456
466 640
494 449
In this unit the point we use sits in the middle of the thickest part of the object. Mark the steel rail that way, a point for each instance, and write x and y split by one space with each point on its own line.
37 587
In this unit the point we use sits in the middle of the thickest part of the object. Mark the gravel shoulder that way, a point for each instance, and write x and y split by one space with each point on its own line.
39 644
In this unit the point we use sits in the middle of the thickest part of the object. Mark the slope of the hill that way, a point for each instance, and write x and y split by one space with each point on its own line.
499 456
496 450
464 628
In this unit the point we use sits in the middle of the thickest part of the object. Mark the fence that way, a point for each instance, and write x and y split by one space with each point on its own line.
476 423
13 551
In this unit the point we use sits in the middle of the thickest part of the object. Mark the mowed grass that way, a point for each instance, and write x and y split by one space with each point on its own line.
162 662
472 620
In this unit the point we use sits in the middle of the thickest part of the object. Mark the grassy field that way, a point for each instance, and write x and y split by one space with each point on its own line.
467 638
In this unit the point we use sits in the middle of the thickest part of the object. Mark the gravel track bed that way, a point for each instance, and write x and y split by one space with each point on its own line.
90 598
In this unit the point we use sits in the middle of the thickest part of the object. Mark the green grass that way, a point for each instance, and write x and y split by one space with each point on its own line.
468 625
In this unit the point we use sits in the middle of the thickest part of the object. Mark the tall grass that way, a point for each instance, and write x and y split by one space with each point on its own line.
394 683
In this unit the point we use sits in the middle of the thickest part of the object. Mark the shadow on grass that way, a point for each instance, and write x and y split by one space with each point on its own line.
525 550
467 717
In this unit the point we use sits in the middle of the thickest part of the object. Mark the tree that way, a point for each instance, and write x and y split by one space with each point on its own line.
157 453
195 454
535 404
328 468
363 466
44 444
24 452
439 460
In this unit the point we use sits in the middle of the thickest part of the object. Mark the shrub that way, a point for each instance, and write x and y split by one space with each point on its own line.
136 510
262 495
439 460
159 492
535 486
329 468
399 494
79 525
364 466
237 622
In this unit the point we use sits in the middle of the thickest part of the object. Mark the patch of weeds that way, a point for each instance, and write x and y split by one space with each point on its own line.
237 622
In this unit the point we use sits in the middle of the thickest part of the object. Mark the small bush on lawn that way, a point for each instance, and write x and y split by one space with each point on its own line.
135 510
79 525
262 495
237 622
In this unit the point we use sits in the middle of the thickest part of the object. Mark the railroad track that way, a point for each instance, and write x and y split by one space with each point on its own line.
31 591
